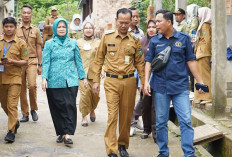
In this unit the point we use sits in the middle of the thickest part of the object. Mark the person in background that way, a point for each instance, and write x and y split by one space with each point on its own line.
180 18
75 29
192 19
148 109
203 53
47 32
61 68
13 55
135 123
31 35
88 47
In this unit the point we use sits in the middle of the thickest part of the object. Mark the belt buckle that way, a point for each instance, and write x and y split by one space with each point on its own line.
120 76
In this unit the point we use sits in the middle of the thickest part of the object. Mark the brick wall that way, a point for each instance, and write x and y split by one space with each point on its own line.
104 12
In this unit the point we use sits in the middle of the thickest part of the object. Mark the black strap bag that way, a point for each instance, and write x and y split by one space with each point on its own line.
161 59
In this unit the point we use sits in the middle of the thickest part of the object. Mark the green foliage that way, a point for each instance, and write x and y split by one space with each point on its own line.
41 8
201 3
142 6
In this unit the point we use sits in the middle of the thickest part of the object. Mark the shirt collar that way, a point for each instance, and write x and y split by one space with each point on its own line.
21 26
175 34
3 38
117 34
136 30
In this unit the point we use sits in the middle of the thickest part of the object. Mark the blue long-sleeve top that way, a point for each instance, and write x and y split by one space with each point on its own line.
61 63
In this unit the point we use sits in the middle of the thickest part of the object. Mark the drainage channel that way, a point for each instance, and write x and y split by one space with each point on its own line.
218 148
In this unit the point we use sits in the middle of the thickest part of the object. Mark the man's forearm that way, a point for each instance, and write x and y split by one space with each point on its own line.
194 70
39 53
147 71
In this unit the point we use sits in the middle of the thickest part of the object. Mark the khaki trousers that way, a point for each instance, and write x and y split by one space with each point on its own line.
204 70
29 74
9 97
120 96
88 100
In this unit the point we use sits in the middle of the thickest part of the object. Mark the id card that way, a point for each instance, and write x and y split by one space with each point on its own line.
2 68
127 60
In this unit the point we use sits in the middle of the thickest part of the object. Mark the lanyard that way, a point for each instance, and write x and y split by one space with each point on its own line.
6 49
26 38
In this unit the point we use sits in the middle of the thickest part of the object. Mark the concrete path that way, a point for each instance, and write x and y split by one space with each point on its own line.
37 139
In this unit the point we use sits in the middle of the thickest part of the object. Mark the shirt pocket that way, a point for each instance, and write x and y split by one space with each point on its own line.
32 38
112 53
178 54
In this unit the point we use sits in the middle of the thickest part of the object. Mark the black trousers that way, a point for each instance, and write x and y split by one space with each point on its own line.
148 115
62 105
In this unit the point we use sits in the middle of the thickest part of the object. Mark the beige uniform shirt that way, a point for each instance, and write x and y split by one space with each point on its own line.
31 36
122 56
203 47
88 49
49 21
17 51
75 34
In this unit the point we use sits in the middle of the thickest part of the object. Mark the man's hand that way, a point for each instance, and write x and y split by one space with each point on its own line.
147 89
141 88
96 88
85 83
200 91
39 70
7 61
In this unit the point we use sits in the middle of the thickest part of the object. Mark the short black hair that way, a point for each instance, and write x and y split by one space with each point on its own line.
124 11
26 6
168 15
132 8
9 20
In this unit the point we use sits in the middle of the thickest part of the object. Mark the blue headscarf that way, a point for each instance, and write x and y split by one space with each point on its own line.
54 28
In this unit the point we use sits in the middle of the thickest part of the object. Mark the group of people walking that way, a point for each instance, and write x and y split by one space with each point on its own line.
72 60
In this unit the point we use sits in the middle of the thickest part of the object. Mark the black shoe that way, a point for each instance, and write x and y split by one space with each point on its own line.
84 124
60 139
10 137
68 141
24 119
16 127
122 151
92 119
144 135
112 155
161 155
34 115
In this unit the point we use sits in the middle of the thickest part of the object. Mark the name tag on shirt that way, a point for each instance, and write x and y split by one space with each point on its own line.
2 68
127 60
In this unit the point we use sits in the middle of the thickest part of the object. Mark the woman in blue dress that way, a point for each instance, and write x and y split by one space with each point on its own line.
61 68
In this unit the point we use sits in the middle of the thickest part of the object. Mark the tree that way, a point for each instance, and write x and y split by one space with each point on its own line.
41 8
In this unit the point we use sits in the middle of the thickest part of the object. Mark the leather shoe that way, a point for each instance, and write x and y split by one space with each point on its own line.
112 155
84 124
60 139
24 119
92 119
34 115
122 151
162 155
10 137
16 127
68 141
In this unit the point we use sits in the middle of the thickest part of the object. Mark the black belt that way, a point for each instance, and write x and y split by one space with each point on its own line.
119 76
32 57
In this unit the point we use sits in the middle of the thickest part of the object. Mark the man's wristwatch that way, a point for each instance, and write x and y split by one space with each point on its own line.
40 65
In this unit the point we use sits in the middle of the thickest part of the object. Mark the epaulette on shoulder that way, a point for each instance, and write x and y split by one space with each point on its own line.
134 36
109 32
33 25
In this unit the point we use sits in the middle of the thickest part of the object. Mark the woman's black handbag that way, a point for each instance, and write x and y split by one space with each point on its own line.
161 59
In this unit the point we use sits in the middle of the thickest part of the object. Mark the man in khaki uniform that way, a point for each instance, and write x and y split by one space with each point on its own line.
13 55
123 54
31 35
47 32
